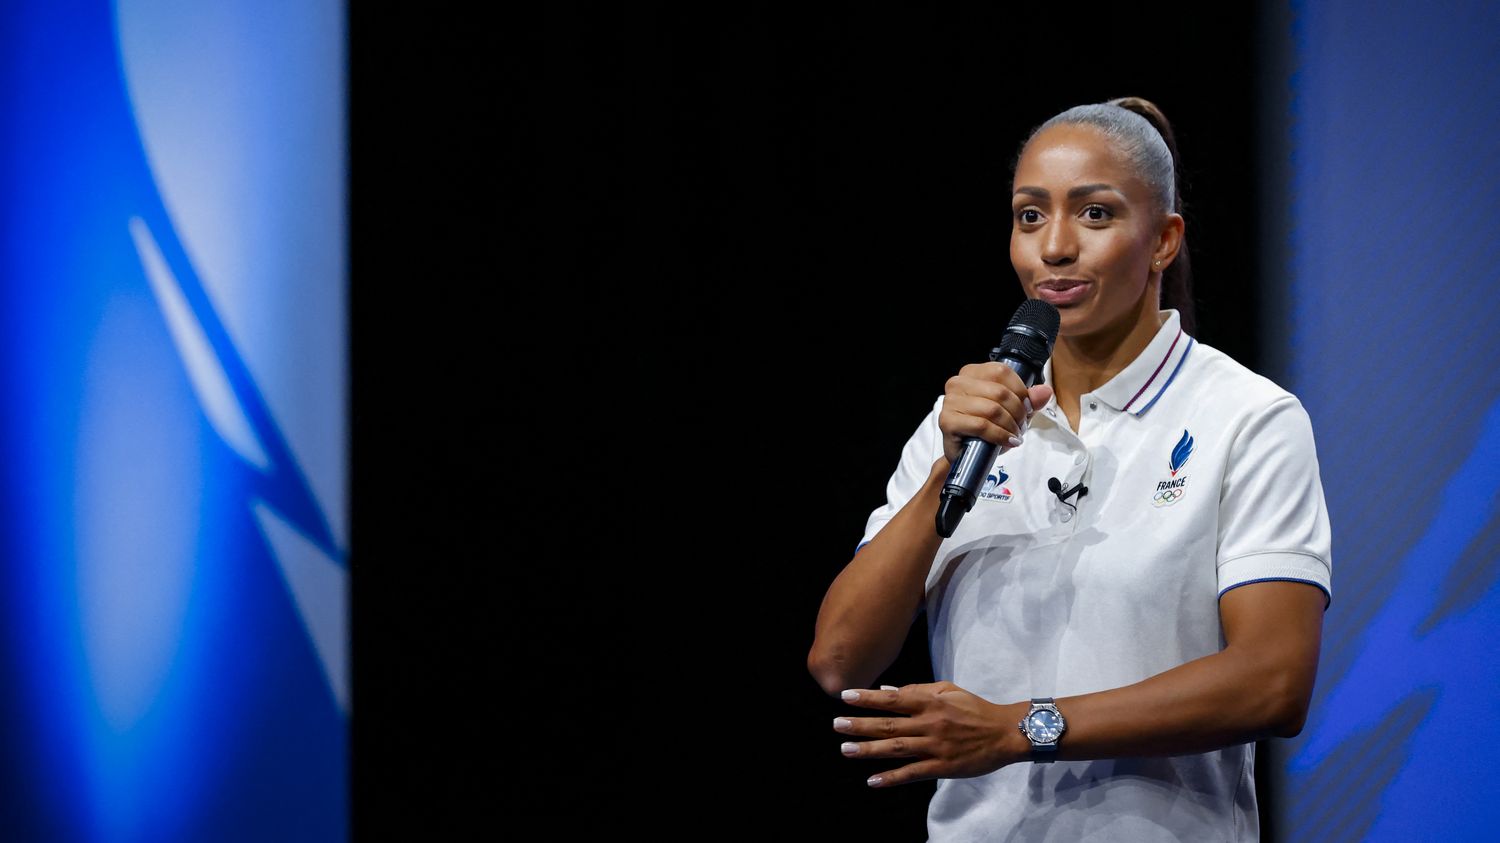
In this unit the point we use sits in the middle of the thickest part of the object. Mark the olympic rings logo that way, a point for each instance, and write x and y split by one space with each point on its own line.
1167 496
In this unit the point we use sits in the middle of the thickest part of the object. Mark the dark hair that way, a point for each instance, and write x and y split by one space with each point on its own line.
1144 135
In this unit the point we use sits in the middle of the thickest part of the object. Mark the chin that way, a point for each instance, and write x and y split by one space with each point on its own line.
1072 316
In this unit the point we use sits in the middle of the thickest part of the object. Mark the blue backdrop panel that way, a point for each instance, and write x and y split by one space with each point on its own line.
173 595
1392 266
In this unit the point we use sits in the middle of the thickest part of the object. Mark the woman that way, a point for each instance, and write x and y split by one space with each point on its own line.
1144 630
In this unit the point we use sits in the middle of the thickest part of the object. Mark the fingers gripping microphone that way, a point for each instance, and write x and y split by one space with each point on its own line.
1025 348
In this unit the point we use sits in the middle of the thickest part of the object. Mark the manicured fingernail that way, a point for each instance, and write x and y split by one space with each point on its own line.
1027 402
875 781
1015 441
841 723
849 747
889 688
850 696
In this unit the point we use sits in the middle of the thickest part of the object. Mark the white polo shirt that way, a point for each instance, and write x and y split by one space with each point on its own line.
1201 476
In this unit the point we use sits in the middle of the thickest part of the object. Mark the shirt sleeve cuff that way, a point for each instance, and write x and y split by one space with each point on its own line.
1275 566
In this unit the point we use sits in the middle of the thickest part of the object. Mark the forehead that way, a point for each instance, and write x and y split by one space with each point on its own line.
1072 154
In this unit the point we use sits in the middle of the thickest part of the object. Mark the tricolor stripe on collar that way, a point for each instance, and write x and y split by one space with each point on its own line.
1156 376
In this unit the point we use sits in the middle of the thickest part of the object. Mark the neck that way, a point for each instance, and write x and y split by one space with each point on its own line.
1083 363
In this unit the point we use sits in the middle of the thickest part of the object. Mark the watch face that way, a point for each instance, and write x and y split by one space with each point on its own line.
1044 726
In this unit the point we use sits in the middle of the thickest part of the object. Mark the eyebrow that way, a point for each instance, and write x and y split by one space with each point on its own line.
1074 193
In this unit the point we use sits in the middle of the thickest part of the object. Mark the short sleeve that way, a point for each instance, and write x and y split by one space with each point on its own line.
917 457
1273 520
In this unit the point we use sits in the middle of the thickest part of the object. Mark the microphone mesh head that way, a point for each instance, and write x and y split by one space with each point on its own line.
1032 331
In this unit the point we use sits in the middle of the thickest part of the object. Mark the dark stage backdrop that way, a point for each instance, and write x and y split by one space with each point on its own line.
648 299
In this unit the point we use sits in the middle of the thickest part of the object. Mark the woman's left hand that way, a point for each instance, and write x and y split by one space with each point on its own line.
952 733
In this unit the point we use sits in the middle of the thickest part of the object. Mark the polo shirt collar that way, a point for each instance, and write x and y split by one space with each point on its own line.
1139 384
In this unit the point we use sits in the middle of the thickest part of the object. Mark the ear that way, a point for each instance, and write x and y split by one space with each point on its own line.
1168 242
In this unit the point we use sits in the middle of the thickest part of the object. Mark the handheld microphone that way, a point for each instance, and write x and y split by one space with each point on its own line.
1025 347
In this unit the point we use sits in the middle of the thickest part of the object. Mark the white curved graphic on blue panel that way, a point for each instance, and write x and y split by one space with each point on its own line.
174 598
1391 146
320 588
210 382
318 583
240 107
1411 673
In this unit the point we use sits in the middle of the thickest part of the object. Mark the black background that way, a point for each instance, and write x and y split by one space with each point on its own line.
645 301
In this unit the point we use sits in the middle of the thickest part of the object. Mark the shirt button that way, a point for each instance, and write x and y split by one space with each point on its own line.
1078 460
1093 406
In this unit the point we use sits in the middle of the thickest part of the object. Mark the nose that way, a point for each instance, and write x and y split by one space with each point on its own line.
1059 246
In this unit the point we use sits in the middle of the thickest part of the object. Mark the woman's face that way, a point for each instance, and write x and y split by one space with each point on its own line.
1085 231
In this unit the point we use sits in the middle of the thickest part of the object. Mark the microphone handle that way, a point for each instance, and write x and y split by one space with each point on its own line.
967 475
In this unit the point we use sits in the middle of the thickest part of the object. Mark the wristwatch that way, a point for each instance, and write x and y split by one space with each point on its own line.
1043 725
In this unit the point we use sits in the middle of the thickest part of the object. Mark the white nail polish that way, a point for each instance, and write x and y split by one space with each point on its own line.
849 696
874 781
849 747
841 723
1027 402
1015 441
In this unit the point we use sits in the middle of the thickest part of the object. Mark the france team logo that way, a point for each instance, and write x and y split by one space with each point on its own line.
1171 491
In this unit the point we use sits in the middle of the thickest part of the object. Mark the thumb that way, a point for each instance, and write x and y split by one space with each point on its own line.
1039 395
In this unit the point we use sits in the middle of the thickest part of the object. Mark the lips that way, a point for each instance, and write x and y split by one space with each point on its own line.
1061 292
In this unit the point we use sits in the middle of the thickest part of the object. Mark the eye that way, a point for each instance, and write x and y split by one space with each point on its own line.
1029 216
1096 213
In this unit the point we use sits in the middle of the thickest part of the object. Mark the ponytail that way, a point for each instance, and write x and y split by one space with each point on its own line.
1176 279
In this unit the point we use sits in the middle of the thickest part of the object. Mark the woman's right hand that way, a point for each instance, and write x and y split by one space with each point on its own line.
990 402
